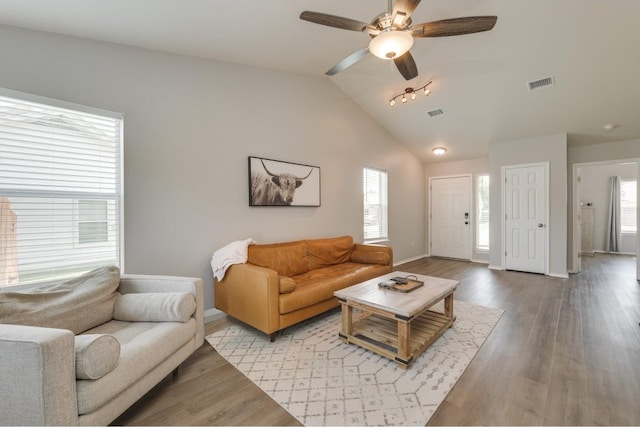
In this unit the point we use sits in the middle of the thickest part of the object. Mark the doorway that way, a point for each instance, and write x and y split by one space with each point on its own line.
526 217
590 198
450 217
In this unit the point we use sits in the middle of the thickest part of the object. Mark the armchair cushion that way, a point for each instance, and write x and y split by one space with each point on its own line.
77 304
155 307
96 355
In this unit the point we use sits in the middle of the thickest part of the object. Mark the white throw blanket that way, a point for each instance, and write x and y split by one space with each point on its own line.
226 256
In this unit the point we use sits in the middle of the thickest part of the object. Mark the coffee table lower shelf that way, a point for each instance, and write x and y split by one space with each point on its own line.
381 334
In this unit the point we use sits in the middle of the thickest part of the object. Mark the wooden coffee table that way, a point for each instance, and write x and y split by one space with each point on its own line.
394 324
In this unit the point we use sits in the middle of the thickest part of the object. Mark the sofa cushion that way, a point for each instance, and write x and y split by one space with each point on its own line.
287 284
155 307
320 284
370 257
143 346
288 259
96 355
77 304
330 251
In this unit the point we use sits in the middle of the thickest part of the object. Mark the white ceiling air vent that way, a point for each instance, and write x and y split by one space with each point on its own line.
434 113
537 84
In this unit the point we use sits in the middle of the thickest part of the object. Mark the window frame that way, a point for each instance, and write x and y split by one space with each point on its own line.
478 211
383 216
114 197
628 229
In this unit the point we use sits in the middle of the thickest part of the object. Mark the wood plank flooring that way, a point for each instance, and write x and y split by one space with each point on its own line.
566 352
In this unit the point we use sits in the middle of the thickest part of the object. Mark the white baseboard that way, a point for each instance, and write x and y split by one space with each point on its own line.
212 314
560 275
614 253
410 259
480 261
495 267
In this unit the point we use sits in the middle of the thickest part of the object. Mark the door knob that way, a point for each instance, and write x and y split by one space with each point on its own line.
540 225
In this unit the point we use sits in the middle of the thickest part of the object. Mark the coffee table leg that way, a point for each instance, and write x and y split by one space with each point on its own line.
347 319
404 337
448 306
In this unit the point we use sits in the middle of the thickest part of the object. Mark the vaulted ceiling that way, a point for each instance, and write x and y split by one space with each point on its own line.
480 81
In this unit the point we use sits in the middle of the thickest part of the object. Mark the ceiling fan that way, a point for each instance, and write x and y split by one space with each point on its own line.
392 33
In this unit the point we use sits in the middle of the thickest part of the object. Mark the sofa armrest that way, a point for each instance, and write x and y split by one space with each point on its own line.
38 376
144 283
252 294
375 248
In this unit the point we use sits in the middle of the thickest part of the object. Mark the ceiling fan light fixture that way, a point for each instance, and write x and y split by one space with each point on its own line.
391 44
439 151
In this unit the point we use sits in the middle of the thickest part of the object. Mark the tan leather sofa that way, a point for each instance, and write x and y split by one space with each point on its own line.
282 284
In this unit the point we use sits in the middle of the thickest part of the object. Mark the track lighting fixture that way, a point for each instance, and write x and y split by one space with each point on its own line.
410 93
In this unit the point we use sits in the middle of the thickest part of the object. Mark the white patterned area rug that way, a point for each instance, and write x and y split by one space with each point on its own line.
321 380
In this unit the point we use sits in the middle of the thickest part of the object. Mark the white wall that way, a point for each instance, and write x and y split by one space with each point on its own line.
594 189
473 166
551 149
189 127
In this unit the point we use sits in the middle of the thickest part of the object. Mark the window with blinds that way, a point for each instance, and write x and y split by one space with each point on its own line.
628 206
375 205
482 212
60 189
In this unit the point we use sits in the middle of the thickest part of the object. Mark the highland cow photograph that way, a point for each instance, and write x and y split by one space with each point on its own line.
279 183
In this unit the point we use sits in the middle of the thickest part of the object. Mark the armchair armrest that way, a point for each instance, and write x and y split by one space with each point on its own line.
37 367
250 293
143 283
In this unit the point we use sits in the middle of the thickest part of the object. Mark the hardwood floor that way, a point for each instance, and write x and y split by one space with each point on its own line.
566 352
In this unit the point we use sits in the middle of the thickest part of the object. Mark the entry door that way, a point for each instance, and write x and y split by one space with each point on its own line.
525 218
451 217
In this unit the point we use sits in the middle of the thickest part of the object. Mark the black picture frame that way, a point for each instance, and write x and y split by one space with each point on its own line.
280 183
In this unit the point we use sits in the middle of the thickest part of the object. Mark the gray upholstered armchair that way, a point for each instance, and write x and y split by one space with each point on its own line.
82 351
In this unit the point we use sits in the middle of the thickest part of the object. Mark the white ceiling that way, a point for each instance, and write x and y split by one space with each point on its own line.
590 47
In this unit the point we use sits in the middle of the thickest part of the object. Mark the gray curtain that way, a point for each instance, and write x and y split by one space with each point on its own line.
612 242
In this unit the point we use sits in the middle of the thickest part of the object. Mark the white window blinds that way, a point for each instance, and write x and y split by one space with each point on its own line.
482 212
375 205
628 206
60 189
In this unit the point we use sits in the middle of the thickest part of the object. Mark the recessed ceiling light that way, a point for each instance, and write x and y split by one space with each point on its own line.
608 127
439 151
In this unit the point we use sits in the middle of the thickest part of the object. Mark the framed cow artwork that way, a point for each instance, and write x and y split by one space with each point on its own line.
279 183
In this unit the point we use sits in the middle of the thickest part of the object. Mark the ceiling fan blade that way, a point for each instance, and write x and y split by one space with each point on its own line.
407 66
336 21
454 27
348 61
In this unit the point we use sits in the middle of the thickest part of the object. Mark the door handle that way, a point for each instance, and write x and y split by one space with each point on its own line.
540 225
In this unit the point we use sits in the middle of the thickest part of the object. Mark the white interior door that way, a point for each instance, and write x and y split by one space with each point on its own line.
525 218
451 217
